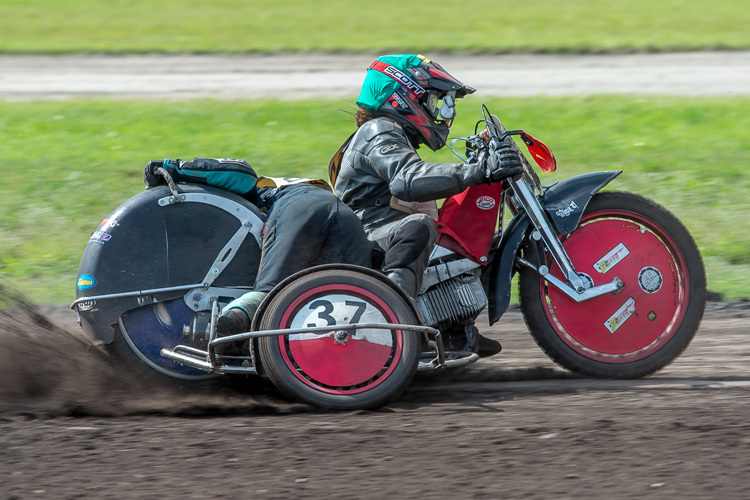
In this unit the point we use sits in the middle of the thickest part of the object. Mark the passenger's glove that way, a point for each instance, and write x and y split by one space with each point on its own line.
151 178
503 163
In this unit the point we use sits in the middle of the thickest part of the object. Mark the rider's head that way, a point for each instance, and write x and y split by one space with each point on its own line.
416 92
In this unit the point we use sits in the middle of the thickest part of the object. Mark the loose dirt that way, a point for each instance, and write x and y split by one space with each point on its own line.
510 426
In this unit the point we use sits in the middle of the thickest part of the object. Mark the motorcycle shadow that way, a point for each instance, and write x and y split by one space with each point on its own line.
476 388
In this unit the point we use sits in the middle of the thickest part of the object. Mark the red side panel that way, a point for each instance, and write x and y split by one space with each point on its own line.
468 220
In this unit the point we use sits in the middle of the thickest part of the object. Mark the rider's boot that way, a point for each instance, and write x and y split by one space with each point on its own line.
236 318
485 346
468 339
405 279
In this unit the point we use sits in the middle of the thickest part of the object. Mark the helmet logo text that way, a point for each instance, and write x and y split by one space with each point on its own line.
404 80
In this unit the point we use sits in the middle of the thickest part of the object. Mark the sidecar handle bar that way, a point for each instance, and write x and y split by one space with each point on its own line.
207 361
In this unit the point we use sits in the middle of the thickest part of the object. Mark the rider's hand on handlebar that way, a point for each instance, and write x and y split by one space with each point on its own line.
503 163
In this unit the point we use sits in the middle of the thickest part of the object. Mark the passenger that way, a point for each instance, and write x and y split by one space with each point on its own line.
306 226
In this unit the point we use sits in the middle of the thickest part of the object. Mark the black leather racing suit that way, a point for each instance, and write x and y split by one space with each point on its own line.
307 226
379 163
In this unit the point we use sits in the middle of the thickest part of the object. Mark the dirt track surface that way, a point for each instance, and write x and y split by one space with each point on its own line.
299 76
511 426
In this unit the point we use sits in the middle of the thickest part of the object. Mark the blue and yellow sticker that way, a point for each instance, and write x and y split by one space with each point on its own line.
85 281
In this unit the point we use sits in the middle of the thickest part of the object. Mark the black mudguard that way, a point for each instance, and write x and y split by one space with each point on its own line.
564 203
566 200
148 243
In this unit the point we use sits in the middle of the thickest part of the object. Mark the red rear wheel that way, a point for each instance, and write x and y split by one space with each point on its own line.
646 325
359 369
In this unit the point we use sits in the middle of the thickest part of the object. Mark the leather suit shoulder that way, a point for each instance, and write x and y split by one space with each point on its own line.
381 126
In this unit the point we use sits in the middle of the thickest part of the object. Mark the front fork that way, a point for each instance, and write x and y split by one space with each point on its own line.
573 286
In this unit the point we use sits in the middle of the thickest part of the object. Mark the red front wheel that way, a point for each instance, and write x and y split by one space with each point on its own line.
354 369
647 324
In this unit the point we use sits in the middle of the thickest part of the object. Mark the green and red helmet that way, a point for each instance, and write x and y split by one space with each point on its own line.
416 92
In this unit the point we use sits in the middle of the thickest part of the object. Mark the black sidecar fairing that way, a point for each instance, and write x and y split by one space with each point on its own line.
149 243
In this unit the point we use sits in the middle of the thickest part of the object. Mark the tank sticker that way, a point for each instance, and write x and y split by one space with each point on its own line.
85 281
100 237
611 259
650 279
620 316
486 202
567 210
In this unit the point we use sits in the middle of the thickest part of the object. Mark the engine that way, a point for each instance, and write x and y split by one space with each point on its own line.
452 302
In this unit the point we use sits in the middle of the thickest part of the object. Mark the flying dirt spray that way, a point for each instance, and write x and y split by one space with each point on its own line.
47 370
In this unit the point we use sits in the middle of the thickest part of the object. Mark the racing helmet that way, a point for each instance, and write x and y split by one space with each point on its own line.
416 92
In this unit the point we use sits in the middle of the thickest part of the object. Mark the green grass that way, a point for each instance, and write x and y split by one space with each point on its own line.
67 165
62 26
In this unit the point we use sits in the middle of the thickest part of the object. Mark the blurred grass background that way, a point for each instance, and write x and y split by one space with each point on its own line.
62 26
66 165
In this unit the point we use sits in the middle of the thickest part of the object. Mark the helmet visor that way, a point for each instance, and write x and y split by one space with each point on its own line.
442 108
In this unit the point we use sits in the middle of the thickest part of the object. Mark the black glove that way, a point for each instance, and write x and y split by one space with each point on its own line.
503 163
151 178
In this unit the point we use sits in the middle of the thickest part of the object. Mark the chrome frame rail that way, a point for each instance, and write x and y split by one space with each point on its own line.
139 293
207 361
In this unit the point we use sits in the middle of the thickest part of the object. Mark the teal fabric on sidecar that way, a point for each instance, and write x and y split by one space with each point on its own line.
231 174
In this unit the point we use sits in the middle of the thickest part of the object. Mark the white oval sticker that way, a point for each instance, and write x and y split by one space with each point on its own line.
486 202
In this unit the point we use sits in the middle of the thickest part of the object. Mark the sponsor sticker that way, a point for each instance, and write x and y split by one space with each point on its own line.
86 305
620 316
650 279
100 237
566 211
486 202
651 316
109 224
397 101
85 281
611 259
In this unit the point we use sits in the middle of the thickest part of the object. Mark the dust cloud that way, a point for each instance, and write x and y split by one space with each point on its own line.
47 370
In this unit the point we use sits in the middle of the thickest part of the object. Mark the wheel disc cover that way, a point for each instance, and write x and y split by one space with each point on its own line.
361 361
151 328
645 314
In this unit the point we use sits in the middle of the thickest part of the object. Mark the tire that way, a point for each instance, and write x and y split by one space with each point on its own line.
369 369
643 327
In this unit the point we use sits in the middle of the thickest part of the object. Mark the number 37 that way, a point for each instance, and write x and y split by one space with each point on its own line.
327 306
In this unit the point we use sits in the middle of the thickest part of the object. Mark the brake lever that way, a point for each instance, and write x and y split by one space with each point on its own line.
474 140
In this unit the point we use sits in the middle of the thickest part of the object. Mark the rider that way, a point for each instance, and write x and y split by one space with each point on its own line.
406 101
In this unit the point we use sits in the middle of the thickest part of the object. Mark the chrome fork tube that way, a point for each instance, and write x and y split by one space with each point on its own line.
533 208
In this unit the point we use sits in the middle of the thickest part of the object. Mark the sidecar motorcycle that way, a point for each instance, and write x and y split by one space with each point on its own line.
611 285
